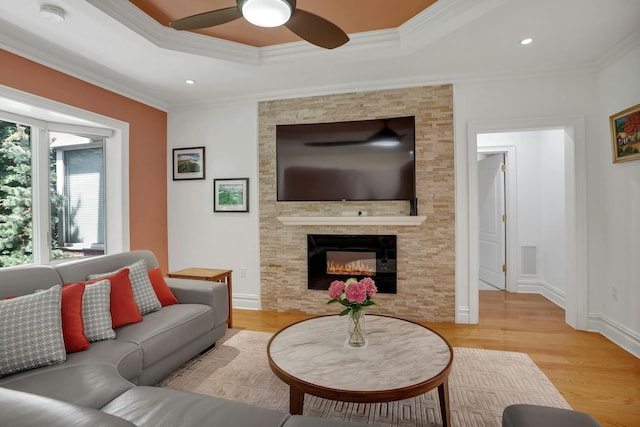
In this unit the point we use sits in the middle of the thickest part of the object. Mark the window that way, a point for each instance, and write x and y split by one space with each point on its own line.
41 120
73 178
79 166
16 228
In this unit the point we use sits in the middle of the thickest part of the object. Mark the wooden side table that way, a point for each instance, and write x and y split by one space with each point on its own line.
211 275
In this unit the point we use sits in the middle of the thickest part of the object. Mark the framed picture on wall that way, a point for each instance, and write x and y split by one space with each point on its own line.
625 134
188 163
231 195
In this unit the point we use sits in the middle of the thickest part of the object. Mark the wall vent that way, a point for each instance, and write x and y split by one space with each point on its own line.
529 263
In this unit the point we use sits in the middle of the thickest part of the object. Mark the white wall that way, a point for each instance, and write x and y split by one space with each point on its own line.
199 237
615 201
552 212
539 206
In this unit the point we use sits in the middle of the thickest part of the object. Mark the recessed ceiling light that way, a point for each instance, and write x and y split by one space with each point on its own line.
526 41
190 82
52 13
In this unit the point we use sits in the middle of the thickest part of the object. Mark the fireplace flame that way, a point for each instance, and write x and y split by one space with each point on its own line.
355 267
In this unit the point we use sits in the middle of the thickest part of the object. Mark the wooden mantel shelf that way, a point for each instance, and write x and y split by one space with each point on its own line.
352 220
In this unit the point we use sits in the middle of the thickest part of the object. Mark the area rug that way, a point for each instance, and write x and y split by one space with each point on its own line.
481 384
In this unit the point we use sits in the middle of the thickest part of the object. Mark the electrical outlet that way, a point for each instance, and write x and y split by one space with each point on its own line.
243 272
614 294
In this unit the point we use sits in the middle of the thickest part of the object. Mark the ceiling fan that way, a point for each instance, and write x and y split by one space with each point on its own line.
271 13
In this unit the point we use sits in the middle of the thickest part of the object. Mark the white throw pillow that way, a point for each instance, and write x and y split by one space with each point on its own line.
96 311
143 293
31 331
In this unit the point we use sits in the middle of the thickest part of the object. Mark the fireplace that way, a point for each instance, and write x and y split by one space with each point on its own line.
340 257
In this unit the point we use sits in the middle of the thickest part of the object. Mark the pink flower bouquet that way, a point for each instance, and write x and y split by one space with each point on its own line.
353 294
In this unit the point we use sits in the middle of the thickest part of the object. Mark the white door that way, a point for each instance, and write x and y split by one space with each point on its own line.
492 220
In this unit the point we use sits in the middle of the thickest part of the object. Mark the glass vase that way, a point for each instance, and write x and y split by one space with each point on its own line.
356 329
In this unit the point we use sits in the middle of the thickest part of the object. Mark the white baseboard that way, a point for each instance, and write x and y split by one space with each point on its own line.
612 330
463 316
616 333
551 293
246 301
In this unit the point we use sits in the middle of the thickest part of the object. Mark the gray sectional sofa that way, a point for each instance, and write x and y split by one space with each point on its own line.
111 383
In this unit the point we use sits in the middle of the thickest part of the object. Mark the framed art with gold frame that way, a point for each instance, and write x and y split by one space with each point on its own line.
625 134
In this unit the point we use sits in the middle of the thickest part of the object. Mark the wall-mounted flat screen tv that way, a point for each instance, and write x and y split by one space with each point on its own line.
353 161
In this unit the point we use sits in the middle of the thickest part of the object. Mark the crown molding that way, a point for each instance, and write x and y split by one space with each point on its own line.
620 49
429 25
441 18
139 22
133 18
376 85
363 43
14 40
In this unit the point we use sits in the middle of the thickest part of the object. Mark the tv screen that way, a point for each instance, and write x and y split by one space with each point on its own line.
357 160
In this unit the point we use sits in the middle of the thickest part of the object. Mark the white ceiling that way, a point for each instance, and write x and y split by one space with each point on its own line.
114 45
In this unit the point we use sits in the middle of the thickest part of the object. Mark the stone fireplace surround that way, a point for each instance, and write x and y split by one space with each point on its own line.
425 250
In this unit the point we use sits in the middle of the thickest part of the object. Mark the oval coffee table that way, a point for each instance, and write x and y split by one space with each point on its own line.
401 359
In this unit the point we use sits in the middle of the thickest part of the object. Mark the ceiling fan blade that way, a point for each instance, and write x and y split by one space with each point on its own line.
207 19
316 30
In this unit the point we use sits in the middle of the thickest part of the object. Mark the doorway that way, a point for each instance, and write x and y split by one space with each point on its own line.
575 298
522 213
492 223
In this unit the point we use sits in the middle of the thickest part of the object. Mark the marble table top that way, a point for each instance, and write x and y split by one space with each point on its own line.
398 354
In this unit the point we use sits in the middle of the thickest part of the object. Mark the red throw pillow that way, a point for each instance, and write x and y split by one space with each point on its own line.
124 310
72 324
161 288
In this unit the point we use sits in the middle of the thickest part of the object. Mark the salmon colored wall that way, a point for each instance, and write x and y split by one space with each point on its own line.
147 142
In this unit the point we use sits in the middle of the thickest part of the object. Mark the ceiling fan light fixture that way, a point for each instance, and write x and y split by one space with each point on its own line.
266 13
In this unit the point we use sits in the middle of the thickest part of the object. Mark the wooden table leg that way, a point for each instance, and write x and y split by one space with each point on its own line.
229 290
296 401
443 395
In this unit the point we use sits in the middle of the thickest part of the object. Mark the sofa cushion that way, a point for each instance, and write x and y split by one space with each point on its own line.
72 324
96 311
92 385
161 288
18 409
165 331
152 406
31 332
143 293
124 355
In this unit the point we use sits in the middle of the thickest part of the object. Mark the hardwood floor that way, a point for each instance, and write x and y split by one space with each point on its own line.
593 374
